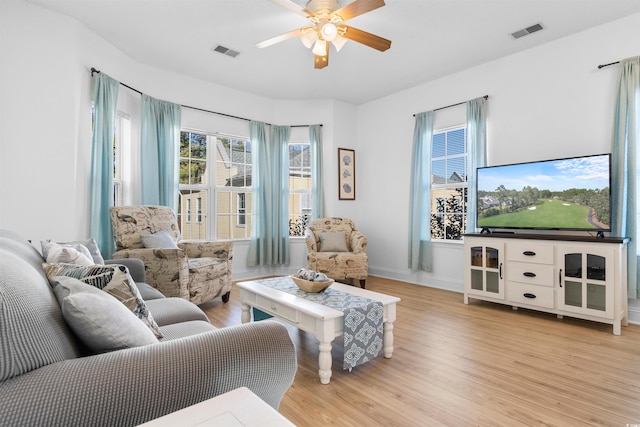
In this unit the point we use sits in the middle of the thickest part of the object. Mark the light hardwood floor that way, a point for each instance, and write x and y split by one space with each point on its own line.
480 364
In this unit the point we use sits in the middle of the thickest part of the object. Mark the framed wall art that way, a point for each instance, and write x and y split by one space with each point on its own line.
346 174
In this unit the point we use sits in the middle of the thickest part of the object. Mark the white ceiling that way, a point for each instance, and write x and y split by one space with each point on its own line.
430 39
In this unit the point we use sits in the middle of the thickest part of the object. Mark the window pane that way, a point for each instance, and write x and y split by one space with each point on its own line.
455 142
299 188
439 171
456 170
438 145
193 224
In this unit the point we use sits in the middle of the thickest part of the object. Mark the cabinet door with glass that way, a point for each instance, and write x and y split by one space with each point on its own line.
485 275
586 281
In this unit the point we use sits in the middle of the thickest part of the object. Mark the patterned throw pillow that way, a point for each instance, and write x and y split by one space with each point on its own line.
115 280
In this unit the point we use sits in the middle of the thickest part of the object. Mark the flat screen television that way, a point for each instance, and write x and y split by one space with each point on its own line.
562 194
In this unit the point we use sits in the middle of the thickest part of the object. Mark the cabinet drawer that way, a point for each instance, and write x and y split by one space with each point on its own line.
524 293
273 307
538 274
530 252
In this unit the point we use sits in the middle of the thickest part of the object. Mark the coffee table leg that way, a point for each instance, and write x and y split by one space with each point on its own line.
387 339
246 313
324 362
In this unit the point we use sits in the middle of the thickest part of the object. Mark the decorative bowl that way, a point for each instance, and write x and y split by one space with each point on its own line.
309 286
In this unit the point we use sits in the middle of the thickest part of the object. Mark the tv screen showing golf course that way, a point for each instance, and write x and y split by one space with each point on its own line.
563 194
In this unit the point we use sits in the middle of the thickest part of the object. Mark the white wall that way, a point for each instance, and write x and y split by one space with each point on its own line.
549 101
546 102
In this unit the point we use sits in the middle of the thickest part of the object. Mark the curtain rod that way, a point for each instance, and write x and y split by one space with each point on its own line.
93 70
606 65
455 105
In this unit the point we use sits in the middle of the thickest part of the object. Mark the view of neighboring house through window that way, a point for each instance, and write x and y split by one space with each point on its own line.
193 185
299 187
448 184
223 184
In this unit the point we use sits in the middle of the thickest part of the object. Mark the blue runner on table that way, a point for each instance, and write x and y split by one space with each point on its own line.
363 319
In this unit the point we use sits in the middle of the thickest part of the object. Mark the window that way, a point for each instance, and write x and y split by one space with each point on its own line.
193 185
121 140
233 187
299 187
448 184
219 184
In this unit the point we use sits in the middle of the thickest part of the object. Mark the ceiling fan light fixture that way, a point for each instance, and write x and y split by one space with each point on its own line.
308 37
320 48
338 42
329 31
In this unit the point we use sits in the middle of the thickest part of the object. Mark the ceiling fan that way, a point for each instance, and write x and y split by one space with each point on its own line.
328 27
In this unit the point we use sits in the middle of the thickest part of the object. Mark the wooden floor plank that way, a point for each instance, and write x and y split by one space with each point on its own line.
480 364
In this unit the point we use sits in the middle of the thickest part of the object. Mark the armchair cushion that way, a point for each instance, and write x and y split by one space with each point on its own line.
113 279
160 240
333 241
97 318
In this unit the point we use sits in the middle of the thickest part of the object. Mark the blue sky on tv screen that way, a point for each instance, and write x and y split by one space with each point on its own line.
556 175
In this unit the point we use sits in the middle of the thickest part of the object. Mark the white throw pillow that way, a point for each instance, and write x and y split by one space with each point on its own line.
71 254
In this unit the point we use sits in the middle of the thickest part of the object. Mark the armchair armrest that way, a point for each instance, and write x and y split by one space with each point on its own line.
358 242
310 240
166 269
129 387
206 248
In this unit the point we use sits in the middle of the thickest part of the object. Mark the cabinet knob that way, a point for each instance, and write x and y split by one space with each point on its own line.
528 295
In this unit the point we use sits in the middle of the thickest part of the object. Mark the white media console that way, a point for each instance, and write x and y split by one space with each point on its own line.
582 277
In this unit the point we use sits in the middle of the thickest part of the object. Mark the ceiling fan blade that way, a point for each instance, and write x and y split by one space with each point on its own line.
293 7
358 7
365 38
280 38
321 61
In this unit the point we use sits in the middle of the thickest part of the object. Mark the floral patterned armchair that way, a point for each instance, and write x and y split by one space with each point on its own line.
337 249
195 270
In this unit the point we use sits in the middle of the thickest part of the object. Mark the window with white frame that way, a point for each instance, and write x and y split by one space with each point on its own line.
300 196
448 184
215 176
121 140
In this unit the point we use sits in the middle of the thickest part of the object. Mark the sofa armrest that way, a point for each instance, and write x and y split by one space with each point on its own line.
358 242
167 270
132 386
135 266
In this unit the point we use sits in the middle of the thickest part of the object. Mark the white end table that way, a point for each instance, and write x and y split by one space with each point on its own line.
237 408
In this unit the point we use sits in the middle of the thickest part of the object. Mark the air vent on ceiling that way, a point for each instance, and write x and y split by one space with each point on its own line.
526 31
225 51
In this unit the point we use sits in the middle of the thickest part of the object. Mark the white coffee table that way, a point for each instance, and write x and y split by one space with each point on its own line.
237 408
324 322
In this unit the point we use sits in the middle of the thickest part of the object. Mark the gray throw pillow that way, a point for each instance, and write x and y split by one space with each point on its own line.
333 241
113 279
100 321
160 240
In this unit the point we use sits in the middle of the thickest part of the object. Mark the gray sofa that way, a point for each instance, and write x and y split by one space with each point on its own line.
48 379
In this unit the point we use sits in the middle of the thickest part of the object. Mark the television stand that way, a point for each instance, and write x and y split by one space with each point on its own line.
577 276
